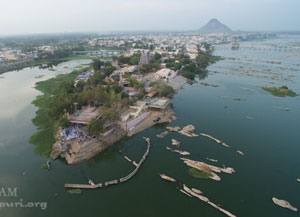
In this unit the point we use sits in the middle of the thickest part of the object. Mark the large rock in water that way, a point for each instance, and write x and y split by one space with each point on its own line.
284 204
215 26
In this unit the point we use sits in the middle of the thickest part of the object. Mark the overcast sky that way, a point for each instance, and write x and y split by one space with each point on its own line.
48 16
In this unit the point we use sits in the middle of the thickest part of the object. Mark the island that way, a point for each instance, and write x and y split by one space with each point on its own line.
280 91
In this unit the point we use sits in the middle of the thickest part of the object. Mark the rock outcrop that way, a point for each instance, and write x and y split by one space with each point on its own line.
284 204
167 178
188 131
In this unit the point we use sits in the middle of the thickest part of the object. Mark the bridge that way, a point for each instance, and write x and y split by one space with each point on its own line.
92 185
98 53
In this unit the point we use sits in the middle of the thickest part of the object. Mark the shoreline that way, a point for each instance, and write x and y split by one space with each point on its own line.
44 137
35 63
91 147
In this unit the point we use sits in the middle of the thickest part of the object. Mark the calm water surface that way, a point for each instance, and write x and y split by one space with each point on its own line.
270 142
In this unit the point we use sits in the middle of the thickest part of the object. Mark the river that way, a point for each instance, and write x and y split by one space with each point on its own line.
269 139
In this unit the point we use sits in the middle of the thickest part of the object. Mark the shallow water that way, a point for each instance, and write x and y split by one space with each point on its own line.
270 142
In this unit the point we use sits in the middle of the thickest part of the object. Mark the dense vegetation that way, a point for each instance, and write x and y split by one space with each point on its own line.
132 60
191 68
280 91
75 191
198 174
47 126
163 89
60 96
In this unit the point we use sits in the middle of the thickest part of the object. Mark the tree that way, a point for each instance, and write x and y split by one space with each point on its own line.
94 127
208 49
59 104
83 99
97 64
163 89
79 48
132 81
134 60
95 80
107 114
174 66
139 86
145 68
66 86
63 122
79 86
189 75
184 59
149 67
202 60
157 56
123 59
108 70
117 88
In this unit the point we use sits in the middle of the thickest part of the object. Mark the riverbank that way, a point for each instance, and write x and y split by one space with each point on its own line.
44 138
18 65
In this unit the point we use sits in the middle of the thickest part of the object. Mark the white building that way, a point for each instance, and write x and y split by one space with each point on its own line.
165 74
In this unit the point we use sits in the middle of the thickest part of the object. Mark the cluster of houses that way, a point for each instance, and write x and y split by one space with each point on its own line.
11 54
142 108
171 44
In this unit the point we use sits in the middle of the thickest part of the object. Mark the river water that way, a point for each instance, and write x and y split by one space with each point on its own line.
257 125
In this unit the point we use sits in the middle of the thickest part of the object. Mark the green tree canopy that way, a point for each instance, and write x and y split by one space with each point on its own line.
97 64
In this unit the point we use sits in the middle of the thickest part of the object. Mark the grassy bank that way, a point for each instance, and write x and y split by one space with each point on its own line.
46 129
198 174
214 59
75 191
77 58
84 58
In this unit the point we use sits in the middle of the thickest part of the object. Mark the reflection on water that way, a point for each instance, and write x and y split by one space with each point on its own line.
17 86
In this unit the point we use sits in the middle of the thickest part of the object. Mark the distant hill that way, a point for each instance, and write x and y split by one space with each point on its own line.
214 26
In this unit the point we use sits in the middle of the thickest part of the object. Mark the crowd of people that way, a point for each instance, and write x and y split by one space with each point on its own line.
74 131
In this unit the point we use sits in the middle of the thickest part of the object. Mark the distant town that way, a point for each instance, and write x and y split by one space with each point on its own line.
35 50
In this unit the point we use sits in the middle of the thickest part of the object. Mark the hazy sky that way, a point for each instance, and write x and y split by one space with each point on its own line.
45 16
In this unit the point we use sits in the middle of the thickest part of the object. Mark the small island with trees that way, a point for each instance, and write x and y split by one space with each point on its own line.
280 91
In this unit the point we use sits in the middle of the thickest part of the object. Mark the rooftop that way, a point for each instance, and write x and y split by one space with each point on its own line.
160 103
164 72
128 69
